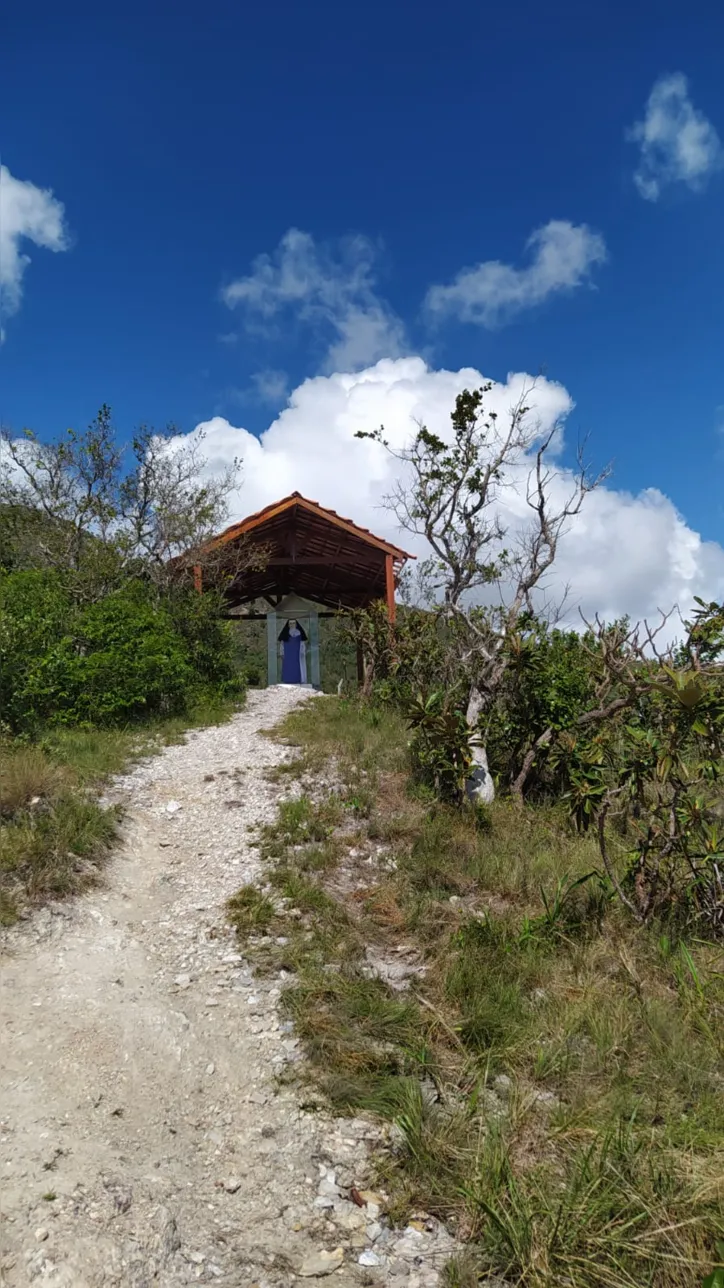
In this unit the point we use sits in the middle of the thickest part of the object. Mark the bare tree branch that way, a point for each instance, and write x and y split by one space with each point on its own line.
450 493
102 519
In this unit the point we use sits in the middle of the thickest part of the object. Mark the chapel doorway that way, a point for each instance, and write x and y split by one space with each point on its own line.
311 563
293 658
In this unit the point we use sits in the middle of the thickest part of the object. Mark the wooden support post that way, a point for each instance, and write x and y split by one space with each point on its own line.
390 587
271 647
314 650
198 579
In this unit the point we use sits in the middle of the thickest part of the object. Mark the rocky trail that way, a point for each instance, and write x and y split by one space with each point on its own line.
145 1137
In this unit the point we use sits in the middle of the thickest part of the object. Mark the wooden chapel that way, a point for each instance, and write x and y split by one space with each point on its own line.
314 564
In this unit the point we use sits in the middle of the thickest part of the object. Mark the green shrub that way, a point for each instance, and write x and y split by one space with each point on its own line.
131 654
208 639
550 681
34 613
124 659
441 747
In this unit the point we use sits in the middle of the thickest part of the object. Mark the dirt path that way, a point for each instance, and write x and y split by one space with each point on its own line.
138 1061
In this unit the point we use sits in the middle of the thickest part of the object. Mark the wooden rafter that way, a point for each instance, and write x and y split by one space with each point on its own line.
313 552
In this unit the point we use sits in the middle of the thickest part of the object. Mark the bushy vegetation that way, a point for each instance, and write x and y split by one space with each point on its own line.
629 740
618 722
505 925
130 654
550 1068
106 648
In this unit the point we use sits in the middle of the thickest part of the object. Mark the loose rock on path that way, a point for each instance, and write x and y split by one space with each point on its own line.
145 1138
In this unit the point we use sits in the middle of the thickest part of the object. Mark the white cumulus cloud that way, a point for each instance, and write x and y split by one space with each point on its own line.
678 144
624 553
562 256
331 288
27 213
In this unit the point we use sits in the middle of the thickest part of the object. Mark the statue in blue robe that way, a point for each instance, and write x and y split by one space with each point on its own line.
294 653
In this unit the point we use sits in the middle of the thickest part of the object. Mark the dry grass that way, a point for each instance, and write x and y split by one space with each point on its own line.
26 776
53 852
54 836
554 1074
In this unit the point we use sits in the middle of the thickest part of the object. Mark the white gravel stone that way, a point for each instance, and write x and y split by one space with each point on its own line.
368 1258
114 1090
321 1263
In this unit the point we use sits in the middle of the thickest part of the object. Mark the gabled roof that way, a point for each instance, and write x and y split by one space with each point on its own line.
313 552
277 508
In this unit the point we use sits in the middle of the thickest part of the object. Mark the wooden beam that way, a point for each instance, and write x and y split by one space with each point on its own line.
347 605
319 561
198 578
390 587
261 617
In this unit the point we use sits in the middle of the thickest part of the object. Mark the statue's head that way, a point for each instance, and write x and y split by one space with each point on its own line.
292 624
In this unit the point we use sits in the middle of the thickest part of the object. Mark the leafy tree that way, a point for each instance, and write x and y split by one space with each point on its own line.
413 657
549 684
449 494
34 613
100 621
667 773
99 512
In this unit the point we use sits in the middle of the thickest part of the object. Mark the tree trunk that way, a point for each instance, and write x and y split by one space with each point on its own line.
368 668
479 789
529 761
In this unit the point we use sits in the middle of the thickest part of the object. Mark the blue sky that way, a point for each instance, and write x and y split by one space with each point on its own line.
184 144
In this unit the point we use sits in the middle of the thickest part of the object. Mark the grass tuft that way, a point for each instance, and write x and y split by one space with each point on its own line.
53 851
54 836
250 912
551 1074
26 775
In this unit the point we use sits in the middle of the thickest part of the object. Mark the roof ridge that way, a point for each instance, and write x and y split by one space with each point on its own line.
284 503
